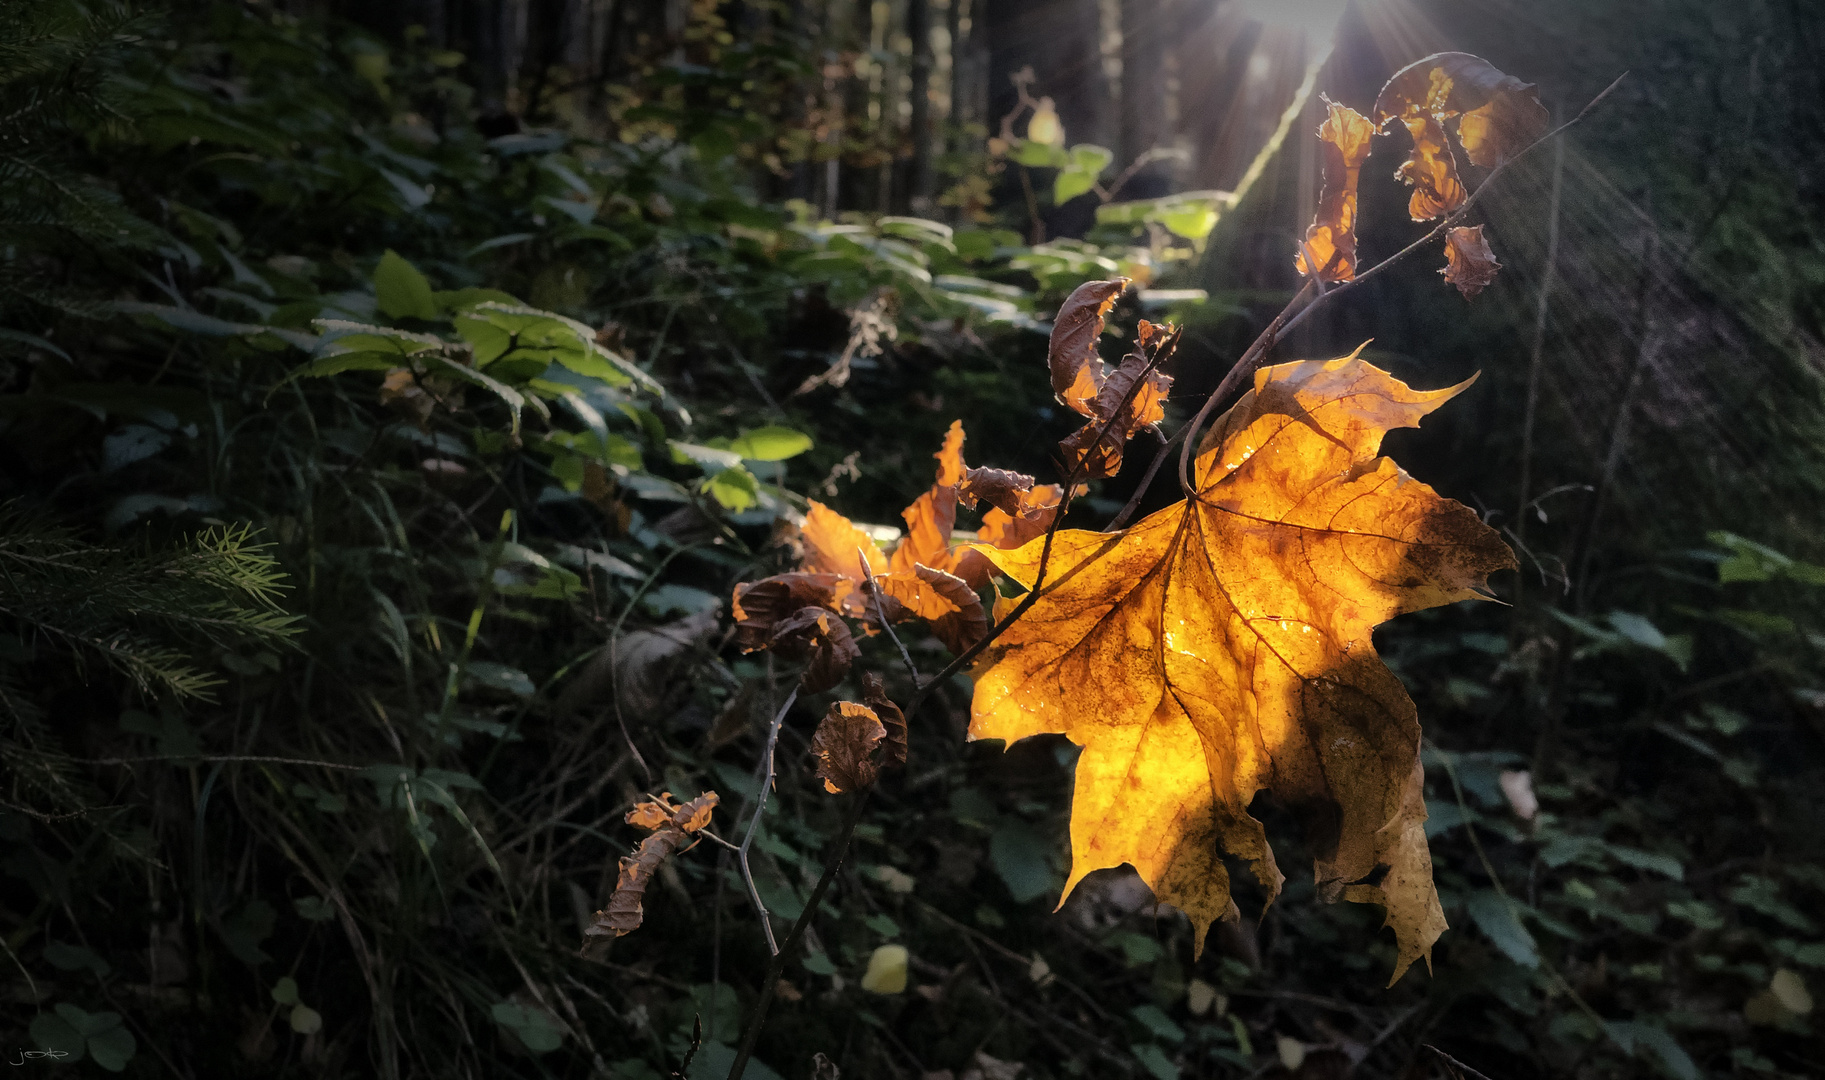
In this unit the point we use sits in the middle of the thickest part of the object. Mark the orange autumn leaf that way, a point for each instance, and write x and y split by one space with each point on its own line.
1221 647
1034 513
1498 116
1469 264
933 515
833 545
1331 238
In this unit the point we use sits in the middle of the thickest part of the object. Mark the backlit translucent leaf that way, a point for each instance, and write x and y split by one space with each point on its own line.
1221 647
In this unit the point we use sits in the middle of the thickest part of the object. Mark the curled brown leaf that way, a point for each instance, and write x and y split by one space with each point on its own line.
1498 116
820 636
670 824
761 605
844 746
1098 444
1000 488
1077 368
1331 238
1469 264
874 695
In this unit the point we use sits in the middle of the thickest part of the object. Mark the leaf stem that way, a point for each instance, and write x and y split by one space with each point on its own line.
777 965
760 804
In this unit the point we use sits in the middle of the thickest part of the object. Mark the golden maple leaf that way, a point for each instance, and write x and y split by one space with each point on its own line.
1221 647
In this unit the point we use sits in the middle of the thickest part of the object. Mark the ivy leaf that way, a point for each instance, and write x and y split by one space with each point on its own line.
1221 647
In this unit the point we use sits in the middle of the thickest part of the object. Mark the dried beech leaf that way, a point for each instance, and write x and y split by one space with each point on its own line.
833 545
821 636
916 595
1077 368
671 824
874 695
1098 444
1499 116
1000 488
651 815
760 605
844 744
1222 647
950 457
967 623
1331 238
1038 506
1469 264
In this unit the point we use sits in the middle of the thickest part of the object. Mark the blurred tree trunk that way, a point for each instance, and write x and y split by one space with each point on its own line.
1145 33
1213 78
1061 40
916 189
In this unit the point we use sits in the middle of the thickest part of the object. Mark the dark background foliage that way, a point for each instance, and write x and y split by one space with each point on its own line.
323 701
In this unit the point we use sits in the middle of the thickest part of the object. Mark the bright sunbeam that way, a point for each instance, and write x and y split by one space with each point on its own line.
1316 19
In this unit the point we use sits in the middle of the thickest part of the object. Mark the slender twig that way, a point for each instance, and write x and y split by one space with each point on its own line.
874 591
1456 1064
1140 490
1537 354
1242 369
1286 321
760 804
193 758
777 965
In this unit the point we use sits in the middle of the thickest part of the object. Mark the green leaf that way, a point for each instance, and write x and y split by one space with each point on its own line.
734 489
1158 1023
51 1032
305 1020
1494 915
285 991
112 1049
1022 858
1036 155
1070 183
501 677
537 1029
708 458
1664 1049
314 908
819 964
771 443
65 957
1085 163
401 290
1155 1061
246 930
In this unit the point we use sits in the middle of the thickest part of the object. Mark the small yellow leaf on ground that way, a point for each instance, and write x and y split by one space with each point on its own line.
887 970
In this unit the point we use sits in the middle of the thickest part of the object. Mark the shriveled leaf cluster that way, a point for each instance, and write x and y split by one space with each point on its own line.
670 825
843 574
1496 117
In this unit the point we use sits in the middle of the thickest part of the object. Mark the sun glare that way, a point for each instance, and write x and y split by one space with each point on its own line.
1317 19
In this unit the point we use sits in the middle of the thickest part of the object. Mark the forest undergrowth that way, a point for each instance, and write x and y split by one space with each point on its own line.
386 488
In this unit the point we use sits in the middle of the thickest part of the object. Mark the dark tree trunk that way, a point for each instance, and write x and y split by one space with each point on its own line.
1061 40
1146 30
916 189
